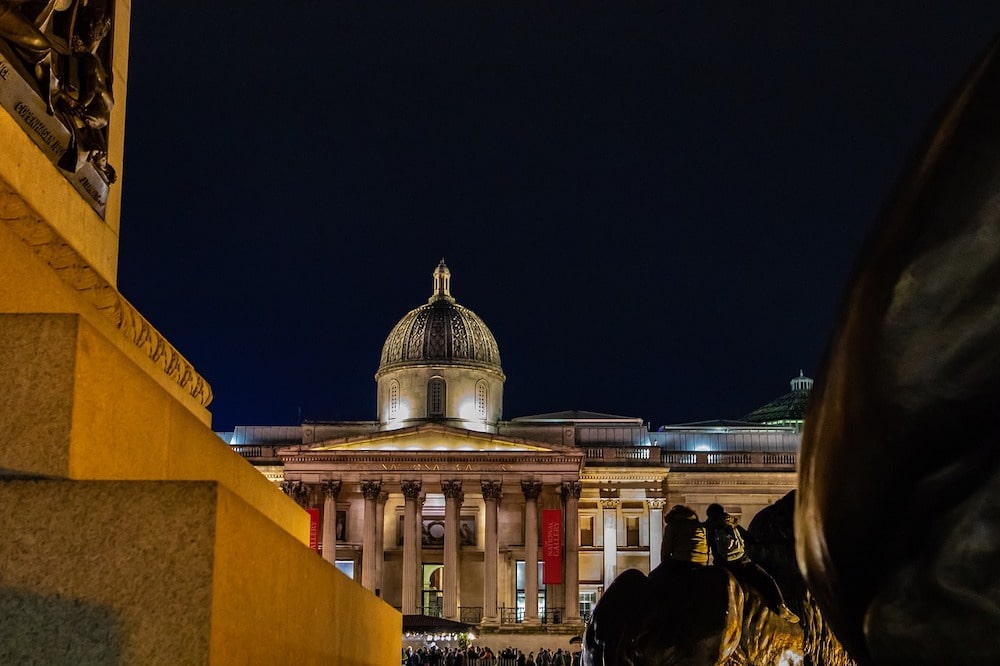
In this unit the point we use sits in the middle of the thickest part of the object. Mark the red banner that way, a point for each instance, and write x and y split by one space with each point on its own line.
313 528
551 546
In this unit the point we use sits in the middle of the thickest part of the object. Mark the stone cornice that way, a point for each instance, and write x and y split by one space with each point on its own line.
60 256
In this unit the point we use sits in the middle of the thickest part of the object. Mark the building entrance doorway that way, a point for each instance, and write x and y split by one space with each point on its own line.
433 590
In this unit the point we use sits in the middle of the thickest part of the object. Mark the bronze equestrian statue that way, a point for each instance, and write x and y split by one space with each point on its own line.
686 614
898 508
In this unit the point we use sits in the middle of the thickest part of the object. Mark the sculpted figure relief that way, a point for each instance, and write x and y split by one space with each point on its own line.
59 44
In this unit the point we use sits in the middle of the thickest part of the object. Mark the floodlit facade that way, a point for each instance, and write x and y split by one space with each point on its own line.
443 508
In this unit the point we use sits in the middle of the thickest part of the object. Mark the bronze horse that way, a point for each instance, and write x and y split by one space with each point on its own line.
898 512
704 617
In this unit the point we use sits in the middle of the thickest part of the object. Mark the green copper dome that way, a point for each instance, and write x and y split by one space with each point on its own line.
789 409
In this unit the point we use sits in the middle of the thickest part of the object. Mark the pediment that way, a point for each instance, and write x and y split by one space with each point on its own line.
434 439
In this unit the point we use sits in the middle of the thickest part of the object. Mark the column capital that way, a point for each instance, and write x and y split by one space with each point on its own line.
411 489
531 489
610 502
571 490
296 490
383 497
656 503
492 490
452 489
371 489
331 488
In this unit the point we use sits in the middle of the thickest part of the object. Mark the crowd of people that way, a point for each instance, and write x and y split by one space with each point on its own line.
483 656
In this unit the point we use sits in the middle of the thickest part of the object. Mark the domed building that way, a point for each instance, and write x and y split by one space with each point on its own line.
440 364
788 409
517 526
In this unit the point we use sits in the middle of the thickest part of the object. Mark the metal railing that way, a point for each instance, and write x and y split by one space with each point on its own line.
470 614
729 460
516 615
646 455
466 614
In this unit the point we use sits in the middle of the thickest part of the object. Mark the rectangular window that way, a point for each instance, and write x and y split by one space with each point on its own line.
521 594
632 531
346 567
586 530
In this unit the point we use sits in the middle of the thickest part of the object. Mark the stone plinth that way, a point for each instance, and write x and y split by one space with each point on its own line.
75 407
160 572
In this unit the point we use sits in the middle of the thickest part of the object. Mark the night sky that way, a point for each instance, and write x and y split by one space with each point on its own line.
653 206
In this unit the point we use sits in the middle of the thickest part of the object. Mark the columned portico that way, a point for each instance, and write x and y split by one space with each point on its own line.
370 490
411 547
331 491
571 496
531 491
453 497
492 494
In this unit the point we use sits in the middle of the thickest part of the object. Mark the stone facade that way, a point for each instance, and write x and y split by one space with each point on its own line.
462 500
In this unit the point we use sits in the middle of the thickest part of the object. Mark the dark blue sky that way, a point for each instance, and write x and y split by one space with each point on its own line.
654 206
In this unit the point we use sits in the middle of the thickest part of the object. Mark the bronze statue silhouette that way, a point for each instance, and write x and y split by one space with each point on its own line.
898 511
702 616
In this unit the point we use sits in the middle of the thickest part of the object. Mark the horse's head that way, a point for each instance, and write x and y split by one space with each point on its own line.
898 511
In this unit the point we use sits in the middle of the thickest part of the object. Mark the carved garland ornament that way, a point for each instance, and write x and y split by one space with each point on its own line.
51 248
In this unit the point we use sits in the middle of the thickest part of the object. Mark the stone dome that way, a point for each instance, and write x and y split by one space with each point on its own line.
440 332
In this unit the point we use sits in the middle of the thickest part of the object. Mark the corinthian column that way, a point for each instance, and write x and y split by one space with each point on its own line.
411 546
453 496
370 490
609 506
571 496
491 495
380 539
331 490
656 505
531 491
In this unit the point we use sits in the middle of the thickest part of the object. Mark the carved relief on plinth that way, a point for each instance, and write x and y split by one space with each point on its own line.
411 489
331 489
492 490
298 491
571 490
531 489
55 81
371 489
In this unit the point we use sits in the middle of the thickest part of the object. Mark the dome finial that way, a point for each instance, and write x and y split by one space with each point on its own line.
442 284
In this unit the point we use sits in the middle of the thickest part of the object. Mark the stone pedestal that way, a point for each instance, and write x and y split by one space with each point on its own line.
161 572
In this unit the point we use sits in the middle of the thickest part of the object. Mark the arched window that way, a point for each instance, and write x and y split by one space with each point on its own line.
435 397
482 393
393 400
